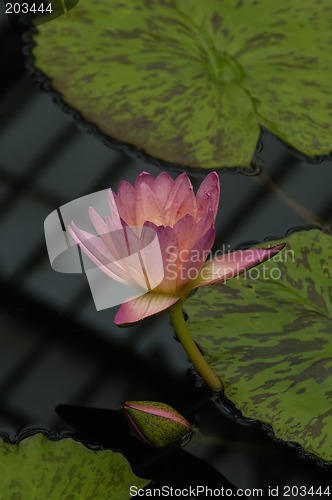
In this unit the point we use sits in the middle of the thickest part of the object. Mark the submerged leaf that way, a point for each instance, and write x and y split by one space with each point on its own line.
191 83
268 335
40 468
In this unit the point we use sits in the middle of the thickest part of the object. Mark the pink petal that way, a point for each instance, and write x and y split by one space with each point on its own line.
202 226
190 268
105 233
152 257
146 305
189 231
148 207
209 190
188 205
126 202
146 178
205 204
118 238
135 253
116 218
145 265
181 201
128 269
184 230
95 252
162 187
169 251
227 266
92 243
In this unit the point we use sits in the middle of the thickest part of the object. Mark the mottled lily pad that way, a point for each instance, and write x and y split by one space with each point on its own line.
39 468
191 83
268 334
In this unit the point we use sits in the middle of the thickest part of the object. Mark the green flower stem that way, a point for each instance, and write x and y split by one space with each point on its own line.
194 354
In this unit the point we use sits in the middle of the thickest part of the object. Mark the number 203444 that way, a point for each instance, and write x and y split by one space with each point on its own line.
302 491
28 8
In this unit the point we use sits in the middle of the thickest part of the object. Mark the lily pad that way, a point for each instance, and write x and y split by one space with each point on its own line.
268 334
192 84
38 468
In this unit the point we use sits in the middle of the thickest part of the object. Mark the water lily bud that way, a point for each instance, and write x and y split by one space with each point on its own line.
156 423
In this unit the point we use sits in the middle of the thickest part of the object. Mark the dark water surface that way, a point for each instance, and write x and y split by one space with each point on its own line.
55 347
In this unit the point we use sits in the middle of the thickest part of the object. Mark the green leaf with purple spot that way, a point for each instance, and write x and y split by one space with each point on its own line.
191 82
268 334
39 468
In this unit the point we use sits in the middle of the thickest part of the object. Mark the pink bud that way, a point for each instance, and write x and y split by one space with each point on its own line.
156 423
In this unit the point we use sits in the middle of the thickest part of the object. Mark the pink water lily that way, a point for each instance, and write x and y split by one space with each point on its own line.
184 225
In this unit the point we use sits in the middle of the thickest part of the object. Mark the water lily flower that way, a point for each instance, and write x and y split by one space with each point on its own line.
184 225
157 423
